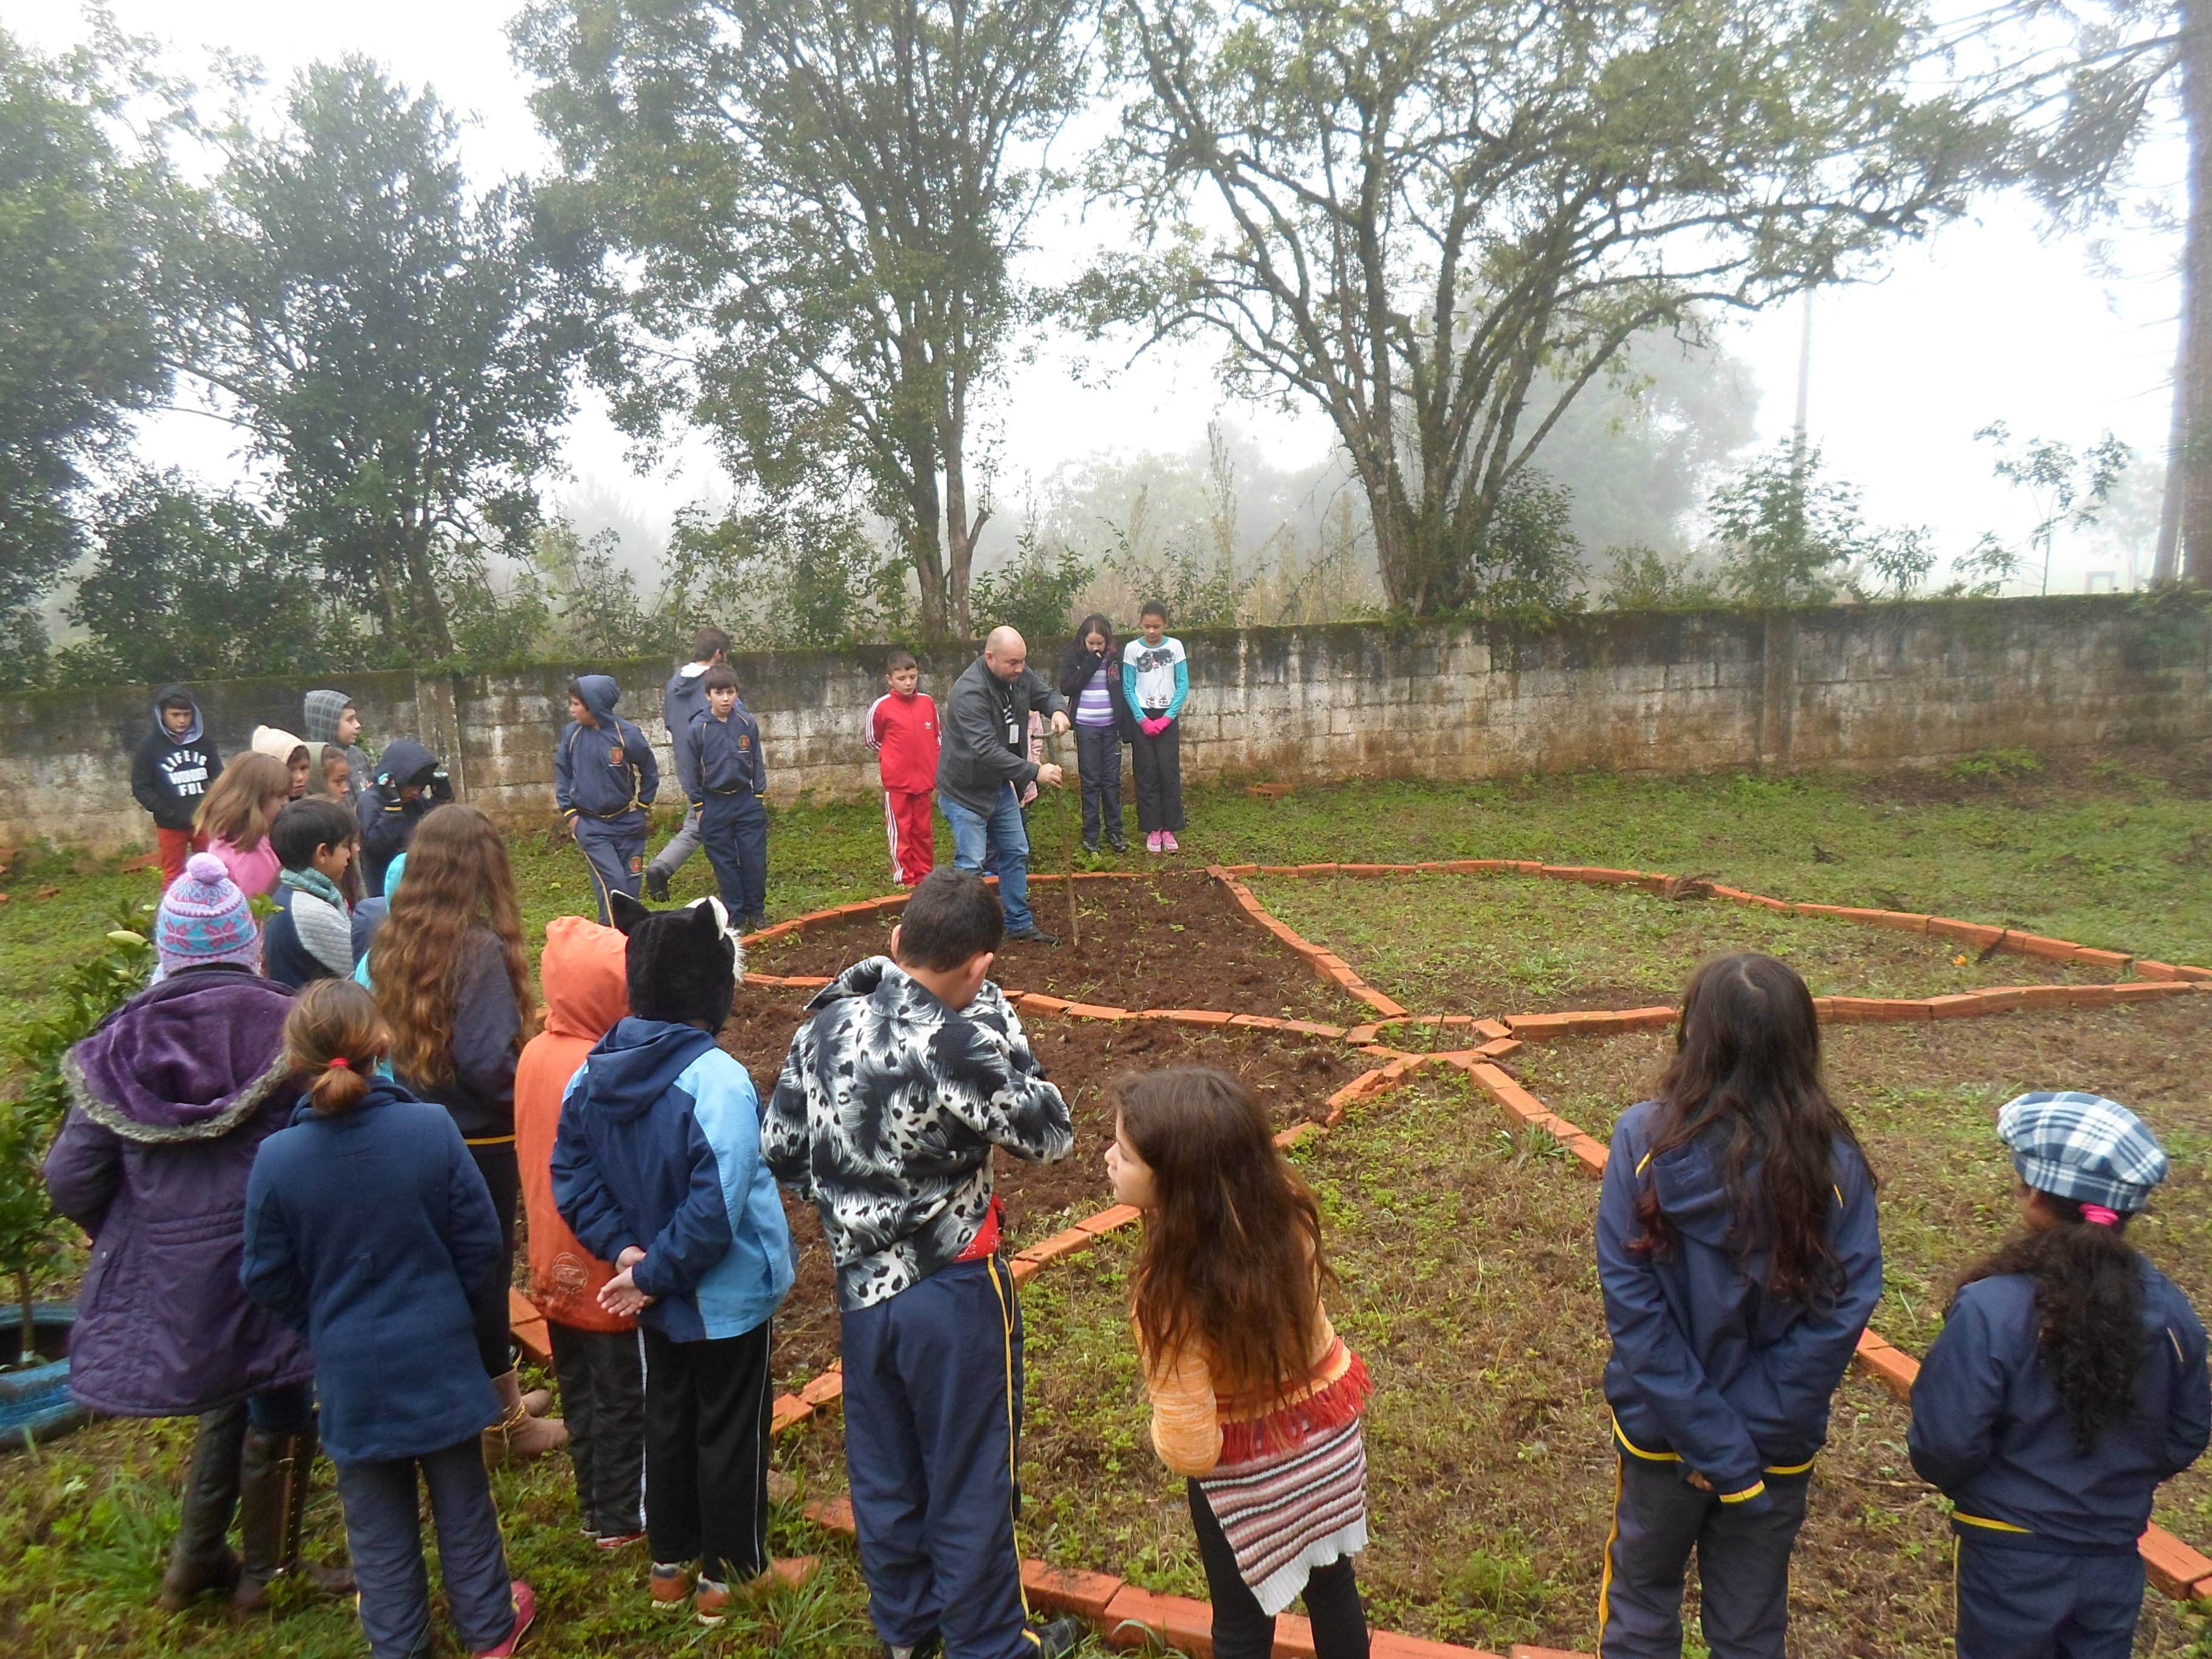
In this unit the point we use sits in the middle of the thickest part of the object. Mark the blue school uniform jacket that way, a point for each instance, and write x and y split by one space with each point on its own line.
605 771
373 1236
658 1148
1708 1370
1989 1429
725 755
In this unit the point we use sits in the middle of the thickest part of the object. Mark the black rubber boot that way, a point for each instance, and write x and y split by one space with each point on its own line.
201 1560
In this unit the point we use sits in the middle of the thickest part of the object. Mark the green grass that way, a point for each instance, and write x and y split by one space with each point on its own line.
1500 944
1465 1252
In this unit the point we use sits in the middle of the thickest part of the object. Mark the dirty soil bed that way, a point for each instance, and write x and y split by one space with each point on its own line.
1517 944
1293 1076
1924 1100
1468 1284
1170 940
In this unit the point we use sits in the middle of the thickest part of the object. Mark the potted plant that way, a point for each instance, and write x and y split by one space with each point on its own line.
34 1389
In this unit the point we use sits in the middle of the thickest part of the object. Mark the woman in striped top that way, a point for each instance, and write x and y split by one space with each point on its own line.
1254 1397
1090 680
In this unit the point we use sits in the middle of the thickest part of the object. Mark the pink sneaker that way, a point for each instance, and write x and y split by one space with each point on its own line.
526 1609
1168 842
1152 841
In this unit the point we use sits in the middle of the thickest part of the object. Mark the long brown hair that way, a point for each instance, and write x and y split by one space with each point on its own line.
457 879
236 806
1231 1258
2088 1312
333 1037
1746 1068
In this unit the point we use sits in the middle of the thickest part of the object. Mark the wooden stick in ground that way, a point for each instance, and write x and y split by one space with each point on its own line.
1067 841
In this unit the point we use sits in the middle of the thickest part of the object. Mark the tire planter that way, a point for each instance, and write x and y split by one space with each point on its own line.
34 1403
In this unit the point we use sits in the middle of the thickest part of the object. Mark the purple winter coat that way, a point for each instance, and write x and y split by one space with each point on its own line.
169 1101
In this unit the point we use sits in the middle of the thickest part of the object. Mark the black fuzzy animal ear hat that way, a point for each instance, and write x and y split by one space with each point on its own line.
684 964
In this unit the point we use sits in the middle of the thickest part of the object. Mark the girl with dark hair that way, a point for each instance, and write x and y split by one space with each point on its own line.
1739 1255
1090 680
370 1232
453 981
1254 1397
2070 1380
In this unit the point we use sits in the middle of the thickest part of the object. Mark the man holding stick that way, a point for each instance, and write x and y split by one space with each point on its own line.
982 769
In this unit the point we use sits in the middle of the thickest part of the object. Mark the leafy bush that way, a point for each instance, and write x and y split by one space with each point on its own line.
90 992
1643 578
1034 594
1527 558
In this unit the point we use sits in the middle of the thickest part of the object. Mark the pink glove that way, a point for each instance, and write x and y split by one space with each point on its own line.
1155 726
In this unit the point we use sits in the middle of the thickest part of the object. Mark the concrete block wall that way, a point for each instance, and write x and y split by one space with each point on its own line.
1847 687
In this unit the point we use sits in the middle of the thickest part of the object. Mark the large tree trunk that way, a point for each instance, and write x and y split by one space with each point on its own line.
2193 382
960 534
422 586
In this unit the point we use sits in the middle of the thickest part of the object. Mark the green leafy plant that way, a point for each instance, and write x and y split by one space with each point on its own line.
89 992
1034 593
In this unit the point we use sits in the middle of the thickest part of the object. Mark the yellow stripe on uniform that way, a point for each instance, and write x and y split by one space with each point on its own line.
1605 1578
1013 1433
1794 1468
1635 1450
1993 1526
1753 1491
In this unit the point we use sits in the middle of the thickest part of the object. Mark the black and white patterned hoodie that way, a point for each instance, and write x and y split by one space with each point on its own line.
885 1116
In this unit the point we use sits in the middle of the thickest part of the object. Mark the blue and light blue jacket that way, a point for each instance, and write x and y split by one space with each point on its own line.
658 1148
604 771
1708 1371
725 755
1988 1427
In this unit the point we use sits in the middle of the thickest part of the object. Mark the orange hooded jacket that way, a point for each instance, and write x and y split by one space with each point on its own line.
587 980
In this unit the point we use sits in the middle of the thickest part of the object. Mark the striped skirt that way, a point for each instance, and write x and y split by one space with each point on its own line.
1286 1512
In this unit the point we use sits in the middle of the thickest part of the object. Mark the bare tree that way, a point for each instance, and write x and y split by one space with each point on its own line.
813 207
1440 220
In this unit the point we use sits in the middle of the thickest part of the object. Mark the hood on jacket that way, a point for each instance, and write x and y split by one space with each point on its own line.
587 977
323 709
276 742
600 694
635 1064
405 762
193 732
1693 1193
860 980
187 1060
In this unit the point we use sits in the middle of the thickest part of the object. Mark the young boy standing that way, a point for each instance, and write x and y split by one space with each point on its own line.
596 1354
729 784
408 782
911 1069
170 771
903 733
604 778
683 698
309 934
333 722
1155 681
657 1166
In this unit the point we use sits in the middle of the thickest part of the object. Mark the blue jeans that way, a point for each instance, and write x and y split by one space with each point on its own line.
1001 840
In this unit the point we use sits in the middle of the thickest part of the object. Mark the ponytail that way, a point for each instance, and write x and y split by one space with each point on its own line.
334 1037
2089 1306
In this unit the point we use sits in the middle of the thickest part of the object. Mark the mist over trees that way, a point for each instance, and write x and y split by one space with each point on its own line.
1492 246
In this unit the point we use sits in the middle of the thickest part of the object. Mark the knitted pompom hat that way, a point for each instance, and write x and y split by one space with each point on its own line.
204 919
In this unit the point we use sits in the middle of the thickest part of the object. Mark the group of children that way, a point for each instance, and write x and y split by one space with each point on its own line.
377 1132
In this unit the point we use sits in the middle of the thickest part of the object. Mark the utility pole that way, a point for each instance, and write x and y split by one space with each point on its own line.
1804 379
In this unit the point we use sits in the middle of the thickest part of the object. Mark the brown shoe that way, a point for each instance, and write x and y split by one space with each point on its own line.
518 1437
712 1604
187 1580
671 1587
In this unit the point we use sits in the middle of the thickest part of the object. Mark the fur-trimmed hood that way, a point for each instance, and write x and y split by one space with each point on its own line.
189 1059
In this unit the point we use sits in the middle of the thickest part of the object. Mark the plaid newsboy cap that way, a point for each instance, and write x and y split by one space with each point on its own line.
2084 1147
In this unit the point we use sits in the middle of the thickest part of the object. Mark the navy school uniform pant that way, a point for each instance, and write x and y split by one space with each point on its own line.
2043 1604
735 830
932 1432
603 1399
1743 1565
384 1534
614 851
707 1411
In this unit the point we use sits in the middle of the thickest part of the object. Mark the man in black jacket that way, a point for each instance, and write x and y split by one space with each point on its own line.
984 765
